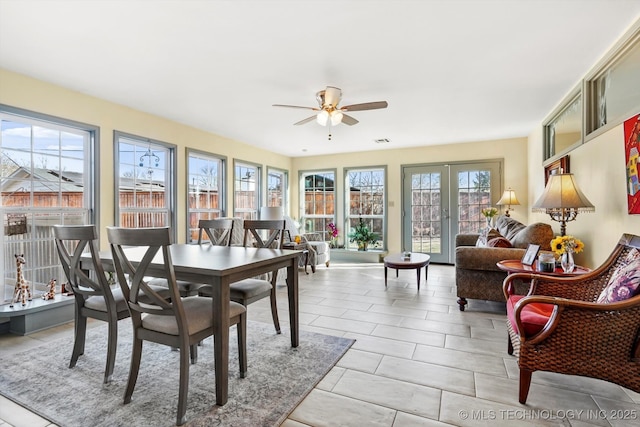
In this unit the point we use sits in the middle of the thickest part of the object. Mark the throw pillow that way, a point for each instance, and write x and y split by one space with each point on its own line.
623 284
538 234
499 242
486 234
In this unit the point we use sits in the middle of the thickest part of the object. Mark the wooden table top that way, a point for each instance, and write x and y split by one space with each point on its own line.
516 266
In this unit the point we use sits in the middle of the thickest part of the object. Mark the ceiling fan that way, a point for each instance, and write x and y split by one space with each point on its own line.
328 111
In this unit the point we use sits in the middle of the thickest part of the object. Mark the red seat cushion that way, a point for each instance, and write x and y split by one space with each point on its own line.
534 316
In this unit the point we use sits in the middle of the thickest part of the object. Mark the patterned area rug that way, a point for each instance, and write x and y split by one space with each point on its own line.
278 378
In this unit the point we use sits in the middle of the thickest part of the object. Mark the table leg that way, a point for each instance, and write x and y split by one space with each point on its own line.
220 304
385 276
292 292
418 270
306 261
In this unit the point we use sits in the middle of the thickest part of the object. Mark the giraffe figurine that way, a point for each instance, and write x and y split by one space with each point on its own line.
51 290
21 291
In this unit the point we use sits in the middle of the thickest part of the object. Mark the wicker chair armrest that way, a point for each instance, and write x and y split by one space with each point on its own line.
585 287
588 314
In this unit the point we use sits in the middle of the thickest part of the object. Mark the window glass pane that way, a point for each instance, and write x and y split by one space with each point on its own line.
277 188
318 193
474 194
617 90
205 181
565 129
246 191
144 183
45 175
365 192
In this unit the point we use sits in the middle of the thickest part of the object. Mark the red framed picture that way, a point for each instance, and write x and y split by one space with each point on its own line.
631 147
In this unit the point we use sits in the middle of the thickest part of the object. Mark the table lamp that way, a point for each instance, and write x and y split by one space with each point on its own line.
508 198
562 200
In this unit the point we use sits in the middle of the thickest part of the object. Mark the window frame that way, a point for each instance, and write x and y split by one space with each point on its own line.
253 214
368 218
91 202
304 217
171 176
222 186
555 117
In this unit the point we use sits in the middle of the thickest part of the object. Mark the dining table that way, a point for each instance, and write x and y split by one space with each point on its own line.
220 266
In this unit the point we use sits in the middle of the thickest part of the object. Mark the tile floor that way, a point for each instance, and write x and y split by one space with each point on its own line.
417 360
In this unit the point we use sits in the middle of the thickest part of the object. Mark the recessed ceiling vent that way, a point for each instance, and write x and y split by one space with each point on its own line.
381 140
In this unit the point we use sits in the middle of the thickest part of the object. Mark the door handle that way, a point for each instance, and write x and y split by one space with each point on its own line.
445 213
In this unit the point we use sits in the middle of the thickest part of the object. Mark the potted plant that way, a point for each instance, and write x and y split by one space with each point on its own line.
363 236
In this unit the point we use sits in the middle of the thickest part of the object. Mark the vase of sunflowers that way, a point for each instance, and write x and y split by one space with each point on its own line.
565 247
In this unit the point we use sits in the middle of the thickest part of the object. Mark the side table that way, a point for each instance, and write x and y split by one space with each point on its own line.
305 252
399 262
516 266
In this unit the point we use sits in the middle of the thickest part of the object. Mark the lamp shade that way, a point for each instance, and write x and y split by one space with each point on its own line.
271 212
562 192
508 198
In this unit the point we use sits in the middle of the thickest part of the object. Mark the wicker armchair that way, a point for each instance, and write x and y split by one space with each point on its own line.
575 334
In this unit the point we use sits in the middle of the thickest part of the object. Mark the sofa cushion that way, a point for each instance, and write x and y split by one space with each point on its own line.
623 284
499 242
538 234
508 227
533 316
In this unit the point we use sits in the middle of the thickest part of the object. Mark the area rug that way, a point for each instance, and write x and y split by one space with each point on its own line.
278 378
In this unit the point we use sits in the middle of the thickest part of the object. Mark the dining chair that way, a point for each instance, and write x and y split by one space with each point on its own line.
218 231
259 234
180 323
95 298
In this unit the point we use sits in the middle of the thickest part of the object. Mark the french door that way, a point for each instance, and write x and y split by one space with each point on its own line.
440 201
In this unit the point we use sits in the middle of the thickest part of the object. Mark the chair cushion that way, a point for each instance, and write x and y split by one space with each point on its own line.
98 303
186 288
319 247
499 242
623 284
249 288
198 313
534 316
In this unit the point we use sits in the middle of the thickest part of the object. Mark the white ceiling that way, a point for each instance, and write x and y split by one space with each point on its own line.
451 70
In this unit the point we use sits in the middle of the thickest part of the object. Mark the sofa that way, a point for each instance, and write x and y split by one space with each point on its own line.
477 275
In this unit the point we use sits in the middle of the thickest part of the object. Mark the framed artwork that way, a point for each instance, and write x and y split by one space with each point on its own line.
558 166
631 154
530 256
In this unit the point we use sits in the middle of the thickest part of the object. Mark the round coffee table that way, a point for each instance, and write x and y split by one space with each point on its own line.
400 262
516 266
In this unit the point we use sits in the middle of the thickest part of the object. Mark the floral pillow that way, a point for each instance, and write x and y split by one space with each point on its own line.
623 284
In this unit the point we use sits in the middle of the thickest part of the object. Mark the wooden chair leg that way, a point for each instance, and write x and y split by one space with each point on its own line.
136 354
525 383
184 385
78 344
193 350
241 329
274 310
112 345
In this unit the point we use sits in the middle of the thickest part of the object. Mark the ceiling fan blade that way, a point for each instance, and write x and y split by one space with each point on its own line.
332 95
307 120
296 106
348 120
365 106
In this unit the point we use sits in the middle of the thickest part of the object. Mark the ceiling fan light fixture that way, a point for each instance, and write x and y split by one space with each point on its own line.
323 118
336 117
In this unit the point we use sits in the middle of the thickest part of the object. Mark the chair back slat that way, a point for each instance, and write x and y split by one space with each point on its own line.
218 231
274 233
156 240
72 243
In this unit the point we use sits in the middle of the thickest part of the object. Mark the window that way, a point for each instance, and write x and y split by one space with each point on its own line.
318 195
246 189
277 188
48 170
205 189
474 194
614 92
145 182
365 195
565 127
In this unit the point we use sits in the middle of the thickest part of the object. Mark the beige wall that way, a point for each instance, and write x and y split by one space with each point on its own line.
599 169
30 94
513 151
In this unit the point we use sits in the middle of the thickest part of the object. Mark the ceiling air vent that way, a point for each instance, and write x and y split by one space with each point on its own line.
381 140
